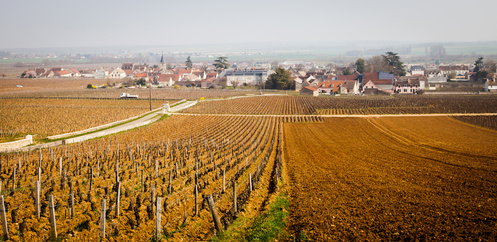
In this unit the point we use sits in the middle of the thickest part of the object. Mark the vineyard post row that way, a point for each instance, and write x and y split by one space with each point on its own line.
78 171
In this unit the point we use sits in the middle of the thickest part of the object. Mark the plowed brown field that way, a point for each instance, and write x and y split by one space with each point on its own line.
425 178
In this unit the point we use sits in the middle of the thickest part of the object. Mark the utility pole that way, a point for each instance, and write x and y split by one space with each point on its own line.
150 96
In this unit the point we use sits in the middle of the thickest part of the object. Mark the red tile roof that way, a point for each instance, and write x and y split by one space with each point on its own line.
454 68
334 85
167 77
381 81
62 73
311 88
348 77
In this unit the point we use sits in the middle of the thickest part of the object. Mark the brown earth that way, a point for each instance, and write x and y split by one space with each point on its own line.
426 178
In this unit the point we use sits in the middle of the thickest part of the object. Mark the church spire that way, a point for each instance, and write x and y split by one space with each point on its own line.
163 65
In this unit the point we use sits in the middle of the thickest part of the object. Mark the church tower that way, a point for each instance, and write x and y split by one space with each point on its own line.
163 64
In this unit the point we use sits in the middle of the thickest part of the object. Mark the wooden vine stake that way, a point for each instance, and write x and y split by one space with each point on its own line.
156 169
143 181
52 216
102 219
158 224
224 180
60 166
14 179
118 198
91 179
4 219
196 200
215 216
37 198
250 181
170 188
235 209
71 199
152 196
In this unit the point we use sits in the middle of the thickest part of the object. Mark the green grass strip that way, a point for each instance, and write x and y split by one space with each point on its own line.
270 224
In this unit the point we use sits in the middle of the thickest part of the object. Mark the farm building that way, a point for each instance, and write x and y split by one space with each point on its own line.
249 77
117 73
309 90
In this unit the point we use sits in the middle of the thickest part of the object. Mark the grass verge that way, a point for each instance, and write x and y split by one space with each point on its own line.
268 226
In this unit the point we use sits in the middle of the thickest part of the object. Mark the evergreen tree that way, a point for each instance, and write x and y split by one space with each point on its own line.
394 63
480 72
360 65
188 63
221 63
281 80
478 64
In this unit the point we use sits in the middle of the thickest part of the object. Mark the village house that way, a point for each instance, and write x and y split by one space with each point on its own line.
383 86
39 72
377 83
141 68
249 77
309 90
87 73
130 74
350 87
207 83
63 74
328 87
169 80
29 74
459 70
117 73
143 76
417 71
410 85
36 73
128 66
298 83
211 74
100 73
491 85
48 74
75 73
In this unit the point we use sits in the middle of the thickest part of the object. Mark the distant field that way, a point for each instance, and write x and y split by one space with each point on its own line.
350 105
29 60
32 85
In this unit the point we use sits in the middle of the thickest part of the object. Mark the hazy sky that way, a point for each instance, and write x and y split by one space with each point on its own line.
68 23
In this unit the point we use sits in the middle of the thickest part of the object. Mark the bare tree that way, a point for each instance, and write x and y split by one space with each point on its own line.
376 64
205 67
490 66
451 75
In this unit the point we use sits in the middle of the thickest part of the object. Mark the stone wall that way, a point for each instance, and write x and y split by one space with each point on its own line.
4 147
